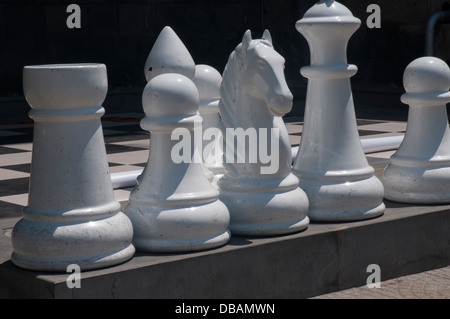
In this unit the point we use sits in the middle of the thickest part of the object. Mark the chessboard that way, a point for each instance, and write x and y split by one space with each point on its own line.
127 147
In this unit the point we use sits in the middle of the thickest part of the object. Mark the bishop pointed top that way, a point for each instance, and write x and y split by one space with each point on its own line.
169 55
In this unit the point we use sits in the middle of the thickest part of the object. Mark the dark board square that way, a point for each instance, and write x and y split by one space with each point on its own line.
10 150
126 137
14 186
132 128
114 148
9 210
366 132
16 139
368 122
24 168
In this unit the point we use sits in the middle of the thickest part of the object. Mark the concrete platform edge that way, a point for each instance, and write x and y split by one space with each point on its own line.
323 259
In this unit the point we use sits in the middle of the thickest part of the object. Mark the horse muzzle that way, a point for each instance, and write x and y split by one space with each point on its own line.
280 105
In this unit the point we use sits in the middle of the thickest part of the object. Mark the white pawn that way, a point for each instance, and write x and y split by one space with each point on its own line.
419 171
72 216
330 164
170 55
208 81
174 207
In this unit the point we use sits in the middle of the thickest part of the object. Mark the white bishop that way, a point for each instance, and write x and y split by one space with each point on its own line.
174 207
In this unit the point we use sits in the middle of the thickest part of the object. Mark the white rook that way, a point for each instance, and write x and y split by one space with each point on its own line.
72 216
419 172
174 207
330 164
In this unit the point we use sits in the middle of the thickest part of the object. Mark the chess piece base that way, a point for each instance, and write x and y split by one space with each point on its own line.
265 211
168 228
47 246
424 185
354 199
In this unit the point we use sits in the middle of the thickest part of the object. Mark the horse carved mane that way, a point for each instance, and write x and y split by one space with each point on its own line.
261 193
228 90
231 83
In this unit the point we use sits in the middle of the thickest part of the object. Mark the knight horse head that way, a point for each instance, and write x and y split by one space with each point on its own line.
263 73
261 193
255 95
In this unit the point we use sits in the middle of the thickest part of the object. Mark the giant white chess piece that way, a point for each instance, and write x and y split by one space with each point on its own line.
330 163
419 171
208 81
259 190
72 216
169 55
174 207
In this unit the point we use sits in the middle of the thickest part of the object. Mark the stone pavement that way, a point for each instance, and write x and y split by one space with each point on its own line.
433 284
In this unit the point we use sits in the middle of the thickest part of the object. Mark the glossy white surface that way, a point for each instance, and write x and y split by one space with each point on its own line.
208 81
370 145
72 216
330 163
174 207
169 55
419 172
254 95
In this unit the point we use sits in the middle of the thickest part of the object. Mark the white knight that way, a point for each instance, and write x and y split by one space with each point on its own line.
260 192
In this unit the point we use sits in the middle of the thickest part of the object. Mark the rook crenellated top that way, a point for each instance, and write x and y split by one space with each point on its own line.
65 86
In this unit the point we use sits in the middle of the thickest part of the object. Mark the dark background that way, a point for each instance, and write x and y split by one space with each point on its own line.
121 34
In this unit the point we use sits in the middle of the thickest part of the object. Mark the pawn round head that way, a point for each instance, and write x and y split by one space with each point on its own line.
208 81
170 94
426 74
